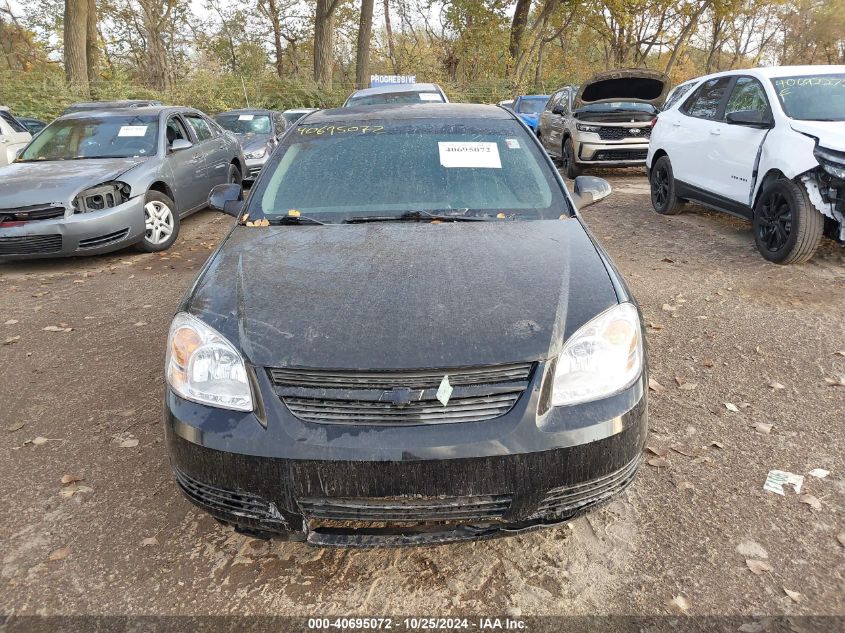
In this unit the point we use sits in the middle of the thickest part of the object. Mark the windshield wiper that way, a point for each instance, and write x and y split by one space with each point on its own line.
296 220
415 216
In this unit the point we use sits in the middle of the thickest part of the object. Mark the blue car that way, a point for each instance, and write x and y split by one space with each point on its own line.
529 108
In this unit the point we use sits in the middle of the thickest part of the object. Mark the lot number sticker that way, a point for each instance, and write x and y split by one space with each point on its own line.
430 96
246 117
469 154
132 130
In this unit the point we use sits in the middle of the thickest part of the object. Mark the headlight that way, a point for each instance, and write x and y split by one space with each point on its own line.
831 161
587 128
105 196
603 357
257 154
204 367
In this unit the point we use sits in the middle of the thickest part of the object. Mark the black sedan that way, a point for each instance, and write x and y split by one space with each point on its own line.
409 337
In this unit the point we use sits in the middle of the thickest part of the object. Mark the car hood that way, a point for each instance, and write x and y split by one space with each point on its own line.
400 295
252 142
58 181
629 84
831 134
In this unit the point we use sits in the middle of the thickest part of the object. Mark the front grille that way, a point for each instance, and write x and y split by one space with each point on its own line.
31 213
229 502
103 240
402 397
406 509
620 154
30 244
619 133
567 499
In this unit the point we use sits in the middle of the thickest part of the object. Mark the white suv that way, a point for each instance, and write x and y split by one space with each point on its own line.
766 144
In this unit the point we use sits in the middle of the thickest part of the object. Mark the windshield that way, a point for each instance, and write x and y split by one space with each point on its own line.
812 97
293 117
463 168
617 106
245 123
532 106
95 137
395 97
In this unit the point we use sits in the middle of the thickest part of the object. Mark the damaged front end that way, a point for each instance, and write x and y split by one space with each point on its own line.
826 188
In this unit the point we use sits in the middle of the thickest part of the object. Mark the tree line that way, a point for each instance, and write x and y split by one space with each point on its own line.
520 43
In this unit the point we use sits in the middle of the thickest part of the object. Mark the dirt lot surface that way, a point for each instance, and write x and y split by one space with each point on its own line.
743 354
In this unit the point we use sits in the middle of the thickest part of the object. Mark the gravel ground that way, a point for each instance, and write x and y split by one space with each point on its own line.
743 354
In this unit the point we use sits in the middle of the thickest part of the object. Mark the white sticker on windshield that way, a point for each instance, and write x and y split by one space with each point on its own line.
430 96
469 154
246 117
512 143
132 130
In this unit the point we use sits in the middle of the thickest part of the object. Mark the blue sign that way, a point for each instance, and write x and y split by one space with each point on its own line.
386 80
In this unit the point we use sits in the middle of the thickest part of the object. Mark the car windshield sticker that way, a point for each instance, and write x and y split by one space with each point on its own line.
246 117
444 391
469 154
132 130
430 96
512 143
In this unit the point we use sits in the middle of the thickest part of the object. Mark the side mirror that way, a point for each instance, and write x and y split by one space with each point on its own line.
750 118
180 144
589 190
227 198
558 109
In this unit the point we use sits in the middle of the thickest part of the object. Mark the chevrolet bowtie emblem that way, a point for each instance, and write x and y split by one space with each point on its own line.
399 396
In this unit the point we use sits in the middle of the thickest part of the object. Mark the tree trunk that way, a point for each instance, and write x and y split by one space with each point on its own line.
391 45
75 36
520 19
323 44
271 10
92 50
365 30
158 65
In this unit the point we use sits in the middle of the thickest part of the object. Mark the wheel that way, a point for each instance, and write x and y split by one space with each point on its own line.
662 181
787 227
162 223
570 168
234 176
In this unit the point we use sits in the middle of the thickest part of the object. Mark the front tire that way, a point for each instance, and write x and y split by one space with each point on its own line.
787 227
570 167
662 184
234 176
161 223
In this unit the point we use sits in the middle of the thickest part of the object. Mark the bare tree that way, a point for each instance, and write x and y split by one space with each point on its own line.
365 31
324 42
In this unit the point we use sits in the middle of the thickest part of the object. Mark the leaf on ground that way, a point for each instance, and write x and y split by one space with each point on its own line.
716 444
69 479
668 308
840 352
680 603
140 324
660 452
667 260
681 451
758 566
16 426
11 339
11 322
819 473
55 328
776 385
655 326
129 443
38 441
794 595
841 538
59 554
73 489
731 407
659 462
811 501
707 362
655 386
763 427
688 386
839 381
148 542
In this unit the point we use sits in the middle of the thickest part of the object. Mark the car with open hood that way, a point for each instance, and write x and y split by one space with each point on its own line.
604 122
258 132
764 144
408 337
98 181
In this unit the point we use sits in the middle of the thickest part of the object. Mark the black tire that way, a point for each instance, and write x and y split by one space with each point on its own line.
662 183
157 222
567 158
234 176
787 227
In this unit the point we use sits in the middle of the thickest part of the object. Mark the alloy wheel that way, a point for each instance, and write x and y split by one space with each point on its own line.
158 219
660 186
774 222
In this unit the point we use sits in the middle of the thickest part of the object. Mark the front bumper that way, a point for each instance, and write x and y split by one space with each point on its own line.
75 235
254 167
386 486
610 153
